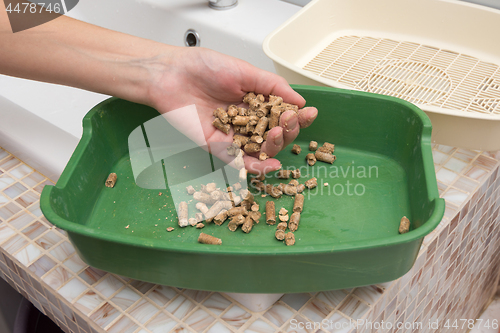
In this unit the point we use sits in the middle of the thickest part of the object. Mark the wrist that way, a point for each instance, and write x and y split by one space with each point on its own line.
135 74
168 79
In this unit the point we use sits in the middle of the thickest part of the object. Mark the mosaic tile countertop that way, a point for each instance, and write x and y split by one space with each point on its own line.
454 276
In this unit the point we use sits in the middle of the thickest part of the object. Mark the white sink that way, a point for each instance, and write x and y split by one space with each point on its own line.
238 32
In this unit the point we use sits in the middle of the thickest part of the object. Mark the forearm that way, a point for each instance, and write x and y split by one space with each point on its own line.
70 52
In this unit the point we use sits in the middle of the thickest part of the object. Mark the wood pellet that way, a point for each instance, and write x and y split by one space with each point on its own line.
284 174
280 231
183 214
247 196
202 207
111 180
329 147
311 159
263 156
243 174
296 149
404 225
270 213
216 209
273 191
203 197
208 239
283 218
217 195
237 211
240 140
293 225
311 183
279 234
248 224
233 149
290 190
324 157
252 147
289 239
209 188
190 190
235 222
255 216
221 127
221 217
298 203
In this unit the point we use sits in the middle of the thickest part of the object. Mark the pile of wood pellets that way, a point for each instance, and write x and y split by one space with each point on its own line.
323 153
238 205
252 125
234 202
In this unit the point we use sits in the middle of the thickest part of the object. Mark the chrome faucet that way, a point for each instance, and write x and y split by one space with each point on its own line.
222 4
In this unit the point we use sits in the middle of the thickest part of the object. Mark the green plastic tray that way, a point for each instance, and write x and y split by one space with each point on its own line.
344 239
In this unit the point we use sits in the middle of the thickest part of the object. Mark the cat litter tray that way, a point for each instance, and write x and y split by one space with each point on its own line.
441 55
348 234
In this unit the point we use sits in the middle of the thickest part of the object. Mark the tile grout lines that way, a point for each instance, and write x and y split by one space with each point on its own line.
392 290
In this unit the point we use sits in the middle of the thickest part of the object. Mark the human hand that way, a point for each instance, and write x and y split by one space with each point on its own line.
211 80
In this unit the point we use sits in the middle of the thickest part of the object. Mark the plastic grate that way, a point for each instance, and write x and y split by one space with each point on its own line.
418 73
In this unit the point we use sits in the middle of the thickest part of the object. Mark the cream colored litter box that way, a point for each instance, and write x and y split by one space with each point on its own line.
443 56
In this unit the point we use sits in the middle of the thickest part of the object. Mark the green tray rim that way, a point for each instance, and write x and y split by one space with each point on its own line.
162 245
